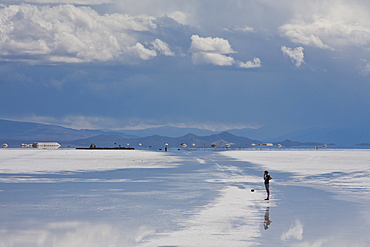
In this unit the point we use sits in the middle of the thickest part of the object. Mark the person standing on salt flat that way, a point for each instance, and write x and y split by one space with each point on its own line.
267 179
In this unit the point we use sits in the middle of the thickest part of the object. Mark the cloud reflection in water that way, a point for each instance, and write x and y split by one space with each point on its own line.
71 233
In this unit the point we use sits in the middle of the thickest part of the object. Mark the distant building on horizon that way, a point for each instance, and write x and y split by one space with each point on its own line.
46 145
266 144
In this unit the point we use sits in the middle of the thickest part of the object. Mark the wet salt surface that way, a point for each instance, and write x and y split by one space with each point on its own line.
138 198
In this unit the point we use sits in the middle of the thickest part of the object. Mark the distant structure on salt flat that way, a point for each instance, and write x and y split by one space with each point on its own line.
266 144
94 147
23 145
45 145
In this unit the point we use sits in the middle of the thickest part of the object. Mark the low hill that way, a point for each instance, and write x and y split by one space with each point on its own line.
15 131
221 140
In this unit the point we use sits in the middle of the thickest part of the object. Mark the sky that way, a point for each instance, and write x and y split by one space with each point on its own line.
216 65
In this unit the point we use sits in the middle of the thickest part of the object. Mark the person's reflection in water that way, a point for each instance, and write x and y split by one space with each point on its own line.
267 220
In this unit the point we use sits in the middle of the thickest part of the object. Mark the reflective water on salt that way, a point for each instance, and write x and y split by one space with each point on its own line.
177 199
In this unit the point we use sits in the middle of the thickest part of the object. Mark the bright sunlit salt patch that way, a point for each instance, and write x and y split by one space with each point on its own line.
230 220
235 179
340 171
73 233
232 174
307 162
200 161
27 179
31 161
228 168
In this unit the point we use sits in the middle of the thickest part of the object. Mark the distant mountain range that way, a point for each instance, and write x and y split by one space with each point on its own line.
15 133
157 141
221 140
168 131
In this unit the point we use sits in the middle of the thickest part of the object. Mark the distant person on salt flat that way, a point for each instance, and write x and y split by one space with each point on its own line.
267 178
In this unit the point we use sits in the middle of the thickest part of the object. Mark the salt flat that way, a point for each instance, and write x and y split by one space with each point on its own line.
340 171
71 197
59 160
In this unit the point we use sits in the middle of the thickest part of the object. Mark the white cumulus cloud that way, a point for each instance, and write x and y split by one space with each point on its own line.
244 29
256 63
140 51
212 58
67 33
162 47
210 45
211 51
180 17
329 24
306 34
217 51
296 54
